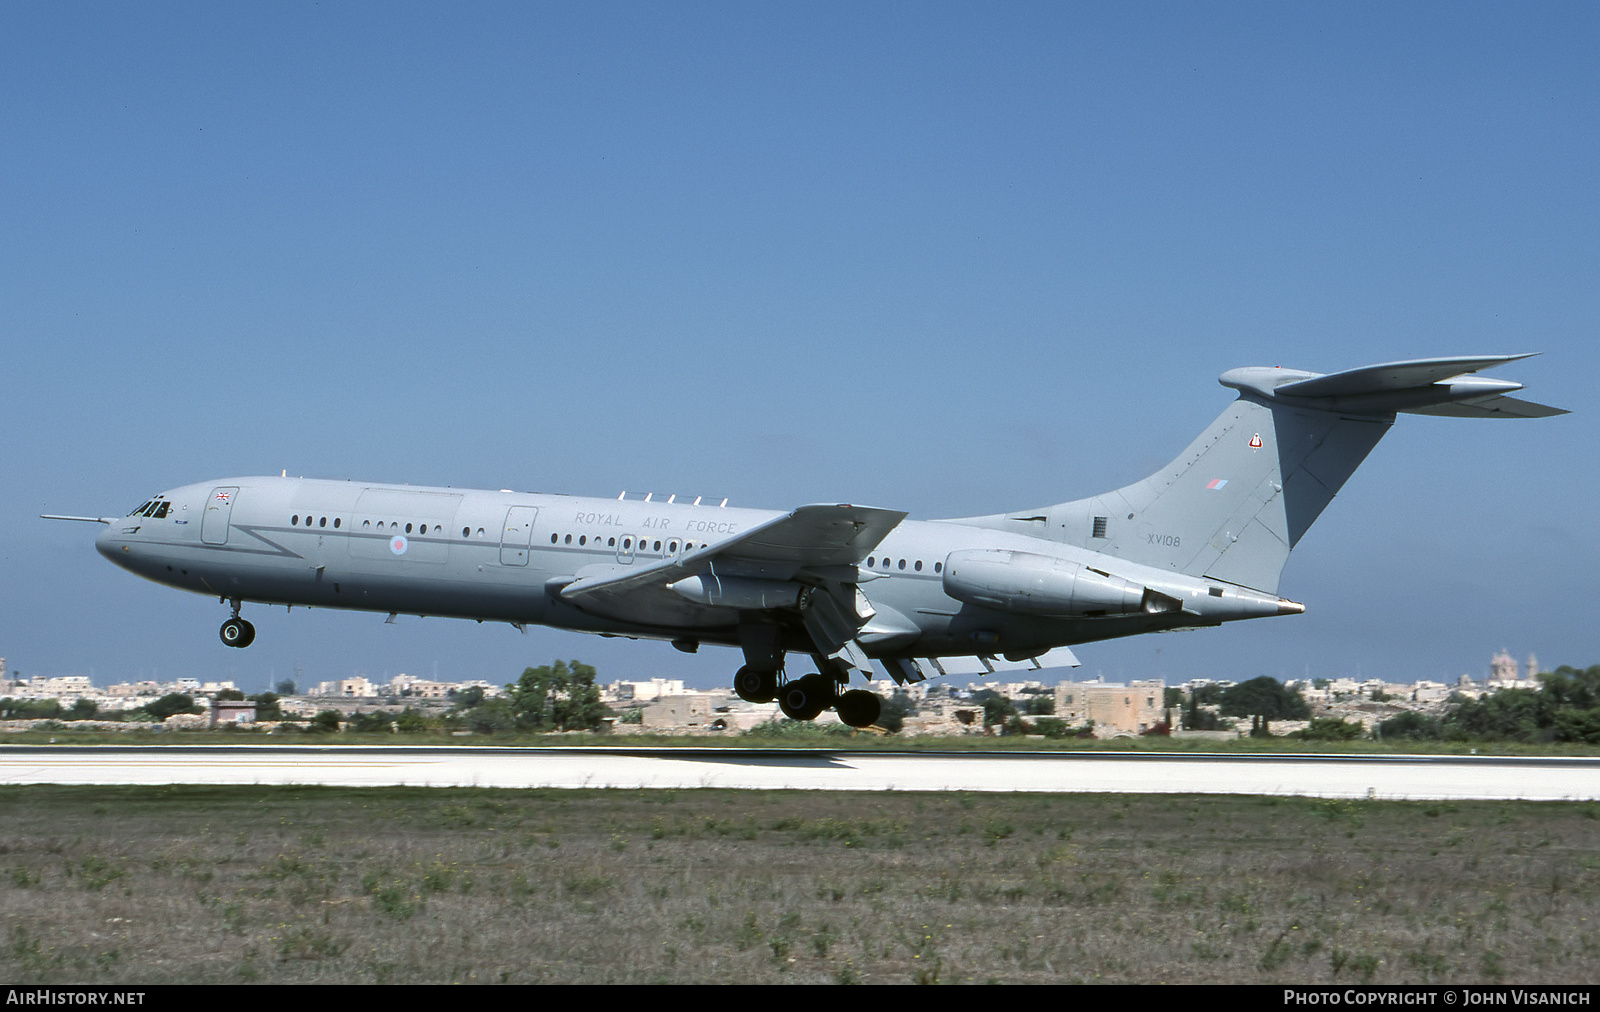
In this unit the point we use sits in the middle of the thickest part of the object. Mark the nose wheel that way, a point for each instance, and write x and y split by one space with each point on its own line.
236 632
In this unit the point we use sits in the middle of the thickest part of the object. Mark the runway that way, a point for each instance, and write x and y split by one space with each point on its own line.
1328 776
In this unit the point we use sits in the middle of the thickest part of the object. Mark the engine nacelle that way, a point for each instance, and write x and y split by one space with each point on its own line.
1037 585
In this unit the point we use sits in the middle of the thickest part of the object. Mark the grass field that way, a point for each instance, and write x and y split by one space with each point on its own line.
199 884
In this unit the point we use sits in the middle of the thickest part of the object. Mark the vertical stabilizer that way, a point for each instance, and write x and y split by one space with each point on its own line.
1240 497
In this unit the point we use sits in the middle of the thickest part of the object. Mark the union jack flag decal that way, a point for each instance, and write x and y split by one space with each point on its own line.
223 496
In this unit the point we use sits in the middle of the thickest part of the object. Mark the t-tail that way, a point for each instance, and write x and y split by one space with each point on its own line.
1235 503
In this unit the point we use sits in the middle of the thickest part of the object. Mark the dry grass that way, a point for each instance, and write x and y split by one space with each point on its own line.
196 884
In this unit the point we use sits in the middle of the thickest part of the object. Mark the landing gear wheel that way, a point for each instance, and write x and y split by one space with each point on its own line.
859 708
236 632
806 698
753 685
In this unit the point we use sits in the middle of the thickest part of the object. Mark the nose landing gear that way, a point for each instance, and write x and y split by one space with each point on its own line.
236 632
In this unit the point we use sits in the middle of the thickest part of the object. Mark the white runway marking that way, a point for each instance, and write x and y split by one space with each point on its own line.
1388 777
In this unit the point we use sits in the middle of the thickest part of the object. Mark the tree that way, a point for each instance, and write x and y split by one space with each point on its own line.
997 709
83 709
369 722
29 709
267 707
557 697
1042 705
1196 719
285 687
1332 729
491 716
325 722
1411 724
171 703
1263 699
1566 707
1517 714
898 705
1568 687
411 721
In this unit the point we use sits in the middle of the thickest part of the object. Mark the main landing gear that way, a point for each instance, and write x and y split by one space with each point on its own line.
805 698
236 632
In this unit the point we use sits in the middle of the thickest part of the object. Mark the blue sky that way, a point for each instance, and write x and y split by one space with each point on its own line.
955 259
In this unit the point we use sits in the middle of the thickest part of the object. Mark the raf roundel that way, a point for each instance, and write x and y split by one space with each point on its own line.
397 544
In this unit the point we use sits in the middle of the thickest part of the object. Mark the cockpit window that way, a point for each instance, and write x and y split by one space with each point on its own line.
156 508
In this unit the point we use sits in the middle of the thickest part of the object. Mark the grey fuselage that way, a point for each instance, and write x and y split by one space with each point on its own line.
502 556
1201 541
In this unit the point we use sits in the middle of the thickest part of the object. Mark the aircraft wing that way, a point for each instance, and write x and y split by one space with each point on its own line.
811 537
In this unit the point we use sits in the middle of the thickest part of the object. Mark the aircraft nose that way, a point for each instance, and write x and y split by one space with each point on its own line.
112 545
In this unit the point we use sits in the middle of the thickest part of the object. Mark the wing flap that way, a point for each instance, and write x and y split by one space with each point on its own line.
988 664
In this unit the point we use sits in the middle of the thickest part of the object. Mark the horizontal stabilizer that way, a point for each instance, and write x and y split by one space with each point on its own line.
1393 376
1497 406
1427 386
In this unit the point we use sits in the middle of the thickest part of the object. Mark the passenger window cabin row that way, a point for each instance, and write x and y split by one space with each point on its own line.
629 543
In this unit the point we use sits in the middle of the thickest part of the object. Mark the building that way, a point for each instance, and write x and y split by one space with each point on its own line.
1132 708
348 688
691 712
1503 667
641 692
232 711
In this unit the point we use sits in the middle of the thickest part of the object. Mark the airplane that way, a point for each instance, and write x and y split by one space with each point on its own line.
1200 542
